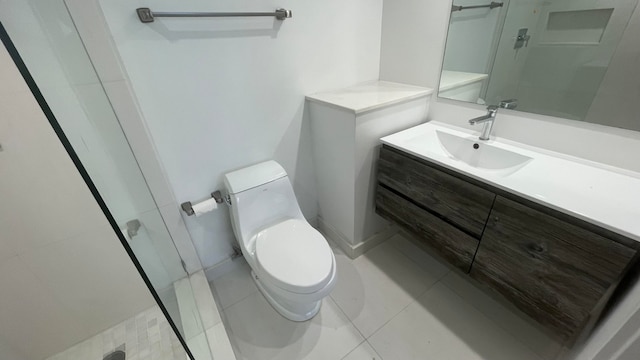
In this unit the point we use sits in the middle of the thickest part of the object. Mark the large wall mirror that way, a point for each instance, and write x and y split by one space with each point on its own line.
574 59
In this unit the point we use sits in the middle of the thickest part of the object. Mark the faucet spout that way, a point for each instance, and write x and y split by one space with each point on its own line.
487 120
481 119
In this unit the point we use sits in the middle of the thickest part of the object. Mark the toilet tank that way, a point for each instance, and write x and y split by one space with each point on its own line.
261 195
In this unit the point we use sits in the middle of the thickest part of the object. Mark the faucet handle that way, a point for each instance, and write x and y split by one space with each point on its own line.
509 104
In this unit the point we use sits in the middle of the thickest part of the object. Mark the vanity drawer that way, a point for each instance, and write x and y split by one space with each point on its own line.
452 244
463 204
556 272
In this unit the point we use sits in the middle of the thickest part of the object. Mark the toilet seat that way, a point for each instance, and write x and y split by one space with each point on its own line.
294 256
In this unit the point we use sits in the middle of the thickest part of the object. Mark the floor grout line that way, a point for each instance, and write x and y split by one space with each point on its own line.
146 333
354 349
213 287
347 317
240 300
499 325
415 300
440 280
429 273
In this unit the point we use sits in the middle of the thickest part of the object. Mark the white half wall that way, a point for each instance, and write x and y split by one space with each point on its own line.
221 94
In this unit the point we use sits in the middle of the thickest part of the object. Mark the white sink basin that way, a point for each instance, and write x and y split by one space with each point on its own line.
481 155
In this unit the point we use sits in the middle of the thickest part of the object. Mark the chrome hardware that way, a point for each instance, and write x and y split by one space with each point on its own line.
508 104
493 5
147 16
187 207
217 195
522 39
132 228
282 14
487 120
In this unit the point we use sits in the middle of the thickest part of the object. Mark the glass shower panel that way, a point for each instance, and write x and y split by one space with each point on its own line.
69 291
45 36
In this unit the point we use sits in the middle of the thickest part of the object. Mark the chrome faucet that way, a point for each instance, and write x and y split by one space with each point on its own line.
487 120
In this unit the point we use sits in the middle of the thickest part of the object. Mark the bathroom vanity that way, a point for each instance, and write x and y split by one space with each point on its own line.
551 235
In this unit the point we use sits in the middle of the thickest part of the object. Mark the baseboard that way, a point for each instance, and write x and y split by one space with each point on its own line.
374 240
351 250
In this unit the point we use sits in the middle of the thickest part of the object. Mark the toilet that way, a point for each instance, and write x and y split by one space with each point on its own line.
291 262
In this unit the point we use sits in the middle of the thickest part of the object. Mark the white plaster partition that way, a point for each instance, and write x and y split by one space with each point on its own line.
346 126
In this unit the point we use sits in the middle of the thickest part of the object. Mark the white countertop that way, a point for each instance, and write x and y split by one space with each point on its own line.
600 194
370 96
451 79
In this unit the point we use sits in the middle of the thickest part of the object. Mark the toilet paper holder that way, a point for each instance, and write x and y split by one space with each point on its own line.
187 207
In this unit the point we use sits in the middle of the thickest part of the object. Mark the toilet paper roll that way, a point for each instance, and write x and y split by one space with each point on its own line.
204 207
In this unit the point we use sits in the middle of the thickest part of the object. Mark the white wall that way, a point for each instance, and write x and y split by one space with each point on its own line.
413 40
63 273
220 94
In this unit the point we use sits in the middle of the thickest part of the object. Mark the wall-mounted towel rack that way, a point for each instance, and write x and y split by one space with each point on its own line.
493 5
147 16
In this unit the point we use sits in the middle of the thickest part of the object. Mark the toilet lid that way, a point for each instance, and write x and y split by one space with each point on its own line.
295 256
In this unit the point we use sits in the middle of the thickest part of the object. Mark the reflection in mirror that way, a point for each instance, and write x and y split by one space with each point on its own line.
574 59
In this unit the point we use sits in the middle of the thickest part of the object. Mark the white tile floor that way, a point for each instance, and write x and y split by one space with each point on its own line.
146 336
395 302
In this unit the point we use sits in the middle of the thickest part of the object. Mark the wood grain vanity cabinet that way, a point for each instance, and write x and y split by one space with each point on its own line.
557 269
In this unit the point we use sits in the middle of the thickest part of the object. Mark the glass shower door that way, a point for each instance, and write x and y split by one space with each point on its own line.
46 39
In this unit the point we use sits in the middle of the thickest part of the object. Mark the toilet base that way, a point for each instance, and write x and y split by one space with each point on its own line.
293 311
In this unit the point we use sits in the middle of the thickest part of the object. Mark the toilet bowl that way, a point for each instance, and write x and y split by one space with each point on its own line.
291 262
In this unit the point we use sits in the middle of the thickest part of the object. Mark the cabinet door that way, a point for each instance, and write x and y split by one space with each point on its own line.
553 271
461 203
452 244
